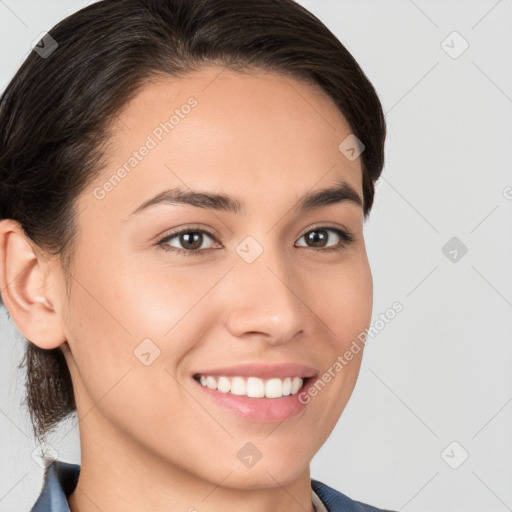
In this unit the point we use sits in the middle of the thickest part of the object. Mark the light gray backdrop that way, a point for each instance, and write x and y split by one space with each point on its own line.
429 426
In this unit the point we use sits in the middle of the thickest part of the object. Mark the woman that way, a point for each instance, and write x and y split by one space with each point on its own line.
183 190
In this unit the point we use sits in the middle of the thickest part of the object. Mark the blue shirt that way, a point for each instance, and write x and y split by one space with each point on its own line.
61 478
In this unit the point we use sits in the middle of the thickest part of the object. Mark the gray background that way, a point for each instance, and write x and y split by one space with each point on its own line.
440 372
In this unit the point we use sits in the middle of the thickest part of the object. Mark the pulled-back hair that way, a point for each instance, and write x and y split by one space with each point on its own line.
56 111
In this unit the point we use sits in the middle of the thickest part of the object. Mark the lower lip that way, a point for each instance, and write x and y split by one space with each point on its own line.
259 409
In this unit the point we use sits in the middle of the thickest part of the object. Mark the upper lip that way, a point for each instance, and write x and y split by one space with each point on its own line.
263 371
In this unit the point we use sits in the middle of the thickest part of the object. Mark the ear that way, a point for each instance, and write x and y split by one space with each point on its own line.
25 279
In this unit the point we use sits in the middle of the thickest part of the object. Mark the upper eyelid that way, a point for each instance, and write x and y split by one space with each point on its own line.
324 226
190 229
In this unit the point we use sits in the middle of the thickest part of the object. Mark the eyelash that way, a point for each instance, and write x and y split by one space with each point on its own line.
346 240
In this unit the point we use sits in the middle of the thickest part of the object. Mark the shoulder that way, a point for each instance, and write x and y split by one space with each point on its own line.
337 501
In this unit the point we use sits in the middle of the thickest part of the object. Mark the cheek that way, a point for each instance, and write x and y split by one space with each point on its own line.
119 319
344 301
125 301
107 319
123 365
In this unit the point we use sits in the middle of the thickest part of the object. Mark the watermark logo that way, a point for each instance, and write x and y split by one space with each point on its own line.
454 249
455 455
351 147
454 45
249 455
44 455
249 249
146 352
44 45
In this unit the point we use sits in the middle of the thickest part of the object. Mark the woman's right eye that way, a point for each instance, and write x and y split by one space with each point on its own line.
191 241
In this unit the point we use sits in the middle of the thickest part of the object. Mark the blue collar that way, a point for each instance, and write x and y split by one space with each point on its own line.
336 501
61 478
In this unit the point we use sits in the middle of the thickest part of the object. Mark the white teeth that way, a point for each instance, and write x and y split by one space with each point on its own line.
253 387
296 384
223 385
238 386
274 388
287 386
211 382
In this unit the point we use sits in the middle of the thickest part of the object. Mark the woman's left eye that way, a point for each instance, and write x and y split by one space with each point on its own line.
321 234
192 240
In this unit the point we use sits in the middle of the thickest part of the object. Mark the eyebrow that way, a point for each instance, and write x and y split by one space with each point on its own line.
342 192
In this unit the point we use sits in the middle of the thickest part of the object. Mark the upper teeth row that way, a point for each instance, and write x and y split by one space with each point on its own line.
253 387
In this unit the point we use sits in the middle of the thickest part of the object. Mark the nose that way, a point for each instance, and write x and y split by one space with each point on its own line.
266 301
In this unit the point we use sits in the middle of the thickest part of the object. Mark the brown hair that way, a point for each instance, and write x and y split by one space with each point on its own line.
55 113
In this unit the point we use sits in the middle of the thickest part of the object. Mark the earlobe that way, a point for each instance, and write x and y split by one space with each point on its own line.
24 281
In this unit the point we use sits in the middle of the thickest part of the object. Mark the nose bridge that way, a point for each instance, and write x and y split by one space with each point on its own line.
265 295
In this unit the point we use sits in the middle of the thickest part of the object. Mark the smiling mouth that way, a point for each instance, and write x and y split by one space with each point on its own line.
253 387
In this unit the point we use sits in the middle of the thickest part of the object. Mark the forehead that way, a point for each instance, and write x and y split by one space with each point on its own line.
221 130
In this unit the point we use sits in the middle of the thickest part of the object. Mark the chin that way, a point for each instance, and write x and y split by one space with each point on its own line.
275 467
265 476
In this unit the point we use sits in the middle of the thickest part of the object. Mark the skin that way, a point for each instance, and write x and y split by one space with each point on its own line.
150 440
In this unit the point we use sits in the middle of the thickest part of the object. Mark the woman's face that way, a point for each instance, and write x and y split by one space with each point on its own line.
242 293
